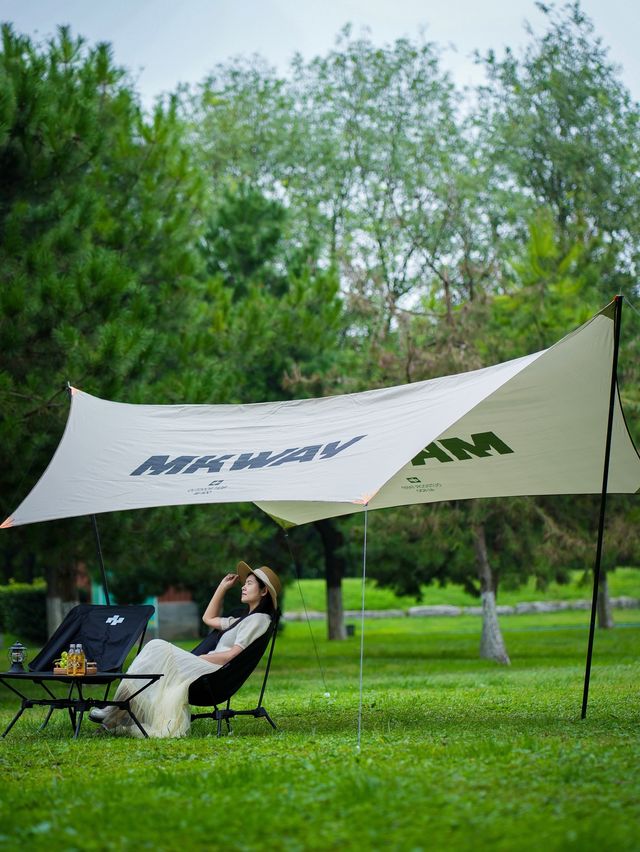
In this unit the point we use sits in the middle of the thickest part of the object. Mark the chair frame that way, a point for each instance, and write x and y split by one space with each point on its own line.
227 713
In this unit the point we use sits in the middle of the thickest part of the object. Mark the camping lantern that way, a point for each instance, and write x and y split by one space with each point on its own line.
17 656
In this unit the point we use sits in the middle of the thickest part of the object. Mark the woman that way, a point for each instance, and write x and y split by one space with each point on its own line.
163 708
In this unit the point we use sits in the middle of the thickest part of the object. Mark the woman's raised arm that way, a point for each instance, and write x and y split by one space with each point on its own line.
211 615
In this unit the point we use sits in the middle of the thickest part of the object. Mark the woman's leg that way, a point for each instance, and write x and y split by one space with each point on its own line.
116 717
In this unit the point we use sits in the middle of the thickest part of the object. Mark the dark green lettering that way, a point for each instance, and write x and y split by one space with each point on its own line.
432 451
482 444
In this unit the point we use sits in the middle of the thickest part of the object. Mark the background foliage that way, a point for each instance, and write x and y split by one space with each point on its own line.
23 610
355 223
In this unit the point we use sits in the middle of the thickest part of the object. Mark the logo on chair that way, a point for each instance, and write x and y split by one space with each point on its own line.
115 619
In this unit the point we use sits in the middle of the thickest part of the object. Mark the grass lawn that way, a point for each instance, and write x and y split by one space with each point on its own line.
622 581
457 753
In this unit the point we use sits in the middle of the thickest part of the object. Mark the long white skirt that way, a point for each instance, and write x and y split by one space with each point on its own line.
163 708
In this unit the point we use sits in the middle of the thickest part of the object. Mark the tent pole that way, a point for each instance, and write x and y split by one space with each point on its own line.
105 585
617 316
364 582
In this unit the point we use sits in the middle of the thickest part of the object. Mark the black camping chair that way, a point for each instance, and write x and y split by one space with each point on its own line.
107 634
215 689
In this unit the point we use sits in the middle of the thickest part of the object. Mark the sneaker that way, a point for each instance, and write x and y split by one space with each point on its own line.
97 714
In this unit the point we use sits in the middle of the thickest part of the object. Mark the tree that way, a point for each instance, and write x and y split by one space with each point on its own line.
99 206
283 318
562 132
383 178
283 328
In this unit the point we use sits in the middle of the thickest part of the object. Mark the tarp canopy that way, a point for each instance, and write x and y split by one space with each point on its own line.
534 425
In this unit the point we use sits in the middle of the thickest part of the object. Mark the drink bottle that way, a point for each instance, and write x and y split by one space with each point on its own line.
80 665
71 660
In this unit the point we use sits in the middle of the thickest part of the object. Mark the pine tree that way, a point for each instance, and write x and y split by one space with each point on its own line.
100 209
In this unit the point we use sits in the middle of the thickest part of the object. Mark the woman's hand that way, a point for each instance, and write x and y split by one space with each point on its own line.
228 581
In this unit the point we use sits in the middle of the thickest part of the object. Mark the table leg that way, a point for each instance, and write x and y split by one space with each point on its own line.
14 720
78 724
46 721
133 716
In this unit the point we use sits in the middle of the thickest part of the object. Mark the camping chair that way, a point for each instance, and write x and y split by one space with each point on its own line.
107 634
215 689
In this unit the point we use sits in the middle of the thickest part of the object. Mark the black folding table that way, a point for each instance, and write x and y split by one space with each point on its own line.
75 702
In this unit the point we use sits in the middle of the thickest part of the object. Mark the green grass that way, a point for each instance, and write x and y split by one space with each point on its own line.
456 753
623 581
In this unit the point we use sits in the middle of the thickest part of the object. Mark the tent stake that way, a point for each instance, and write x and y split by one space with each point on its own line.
617 316
101 560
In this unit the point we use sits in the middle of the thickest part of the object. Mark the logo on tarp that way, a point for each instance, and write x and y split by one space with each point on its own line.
202 491
214 463
480 445
115 619
417 484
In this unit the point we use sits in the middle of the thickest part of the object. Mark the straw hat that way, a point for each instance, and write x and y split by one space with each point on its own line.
266 575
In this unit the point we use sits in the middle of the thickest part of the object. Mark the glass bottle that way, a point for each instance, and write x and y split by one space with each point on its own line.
80 666
71 660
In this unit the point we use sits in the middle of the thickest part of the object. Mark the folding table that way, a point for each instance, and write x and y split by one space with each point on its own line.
75 701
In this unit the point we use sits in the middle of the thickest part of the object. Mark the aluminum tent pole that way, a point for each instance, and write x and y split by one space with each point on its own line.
364 584
617 316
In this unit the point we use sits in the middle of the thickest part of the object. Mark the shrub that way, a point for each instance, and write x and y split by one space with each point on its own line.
23 610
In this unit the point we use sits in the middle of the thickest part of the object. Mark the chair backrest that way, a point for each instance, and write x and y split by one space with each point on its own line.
210 641
107 634
208 644
218 687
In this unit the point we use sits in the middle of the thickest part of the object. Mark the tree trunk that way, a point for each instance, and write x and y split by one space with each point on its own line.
447 296
332 539
62 593
605 613
492 645
335 616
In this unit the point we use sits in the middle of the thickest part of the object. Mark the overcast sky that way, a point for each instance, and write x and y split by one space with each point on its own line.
164 42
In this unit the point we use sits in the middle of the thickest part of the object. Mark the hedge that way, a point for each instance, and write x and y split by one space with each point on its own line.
23 610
